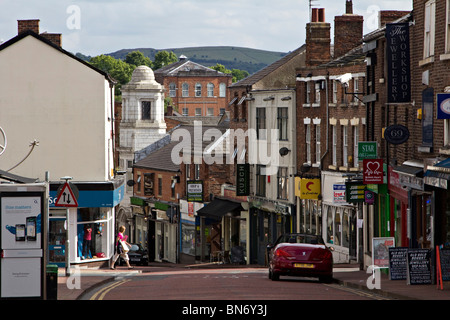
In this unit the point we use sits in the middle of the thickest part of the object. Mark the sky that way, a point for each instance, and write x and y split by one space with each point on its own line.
94 27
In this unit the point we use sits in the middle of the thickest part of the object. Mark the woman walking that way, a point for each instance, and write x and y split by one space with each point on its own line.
119 249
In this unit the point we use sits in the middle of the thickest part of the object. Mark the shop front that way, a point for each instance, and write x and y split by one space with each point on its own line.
84 234
163 226
222 229
339 218
268 220
433 226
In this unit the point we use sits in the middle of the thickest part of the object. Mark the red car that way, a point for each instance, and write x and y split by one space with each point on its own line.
304 255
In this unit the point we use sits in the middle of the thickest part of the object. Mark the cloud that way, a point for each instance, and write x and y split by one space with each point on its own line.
110 25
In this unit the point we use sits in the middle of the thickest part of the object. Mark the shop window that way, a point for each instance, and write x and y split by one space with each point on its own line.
92 235
345 229
330 237
337 228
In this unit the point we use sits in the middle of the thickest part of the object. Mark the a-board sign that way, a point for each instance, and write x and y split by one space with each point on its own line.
397 263
445 263
419 266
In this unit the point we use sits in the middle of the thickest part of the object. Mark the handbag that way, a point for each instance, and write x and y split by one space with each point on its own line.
125 247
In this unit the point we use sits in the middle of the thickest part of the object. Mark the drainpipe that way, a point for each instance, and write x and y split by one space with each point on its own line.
328 123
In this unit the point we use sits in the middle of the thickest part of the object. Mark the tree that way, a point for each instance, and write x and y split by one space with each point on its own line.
237 74
137 59
164 58
116 68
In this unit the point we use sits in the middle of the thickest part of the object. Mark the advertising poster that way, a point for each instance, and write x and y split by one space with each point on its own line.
21 245
380 251
21 222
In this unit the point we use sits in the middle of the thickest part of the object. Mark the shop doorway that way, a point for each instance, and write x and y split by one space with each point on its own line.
57 237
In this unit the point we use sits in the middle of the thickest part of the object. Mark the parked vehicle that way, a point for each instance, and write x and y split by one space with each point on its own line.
137 254
297 254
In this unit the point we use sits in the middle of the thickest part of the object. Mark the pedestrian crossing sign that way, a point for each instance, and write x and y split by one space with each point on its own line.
66 197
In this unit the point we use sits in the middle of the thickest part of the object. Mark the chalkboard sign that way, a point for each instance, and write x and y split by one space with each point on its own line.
397 263
419 266
445 263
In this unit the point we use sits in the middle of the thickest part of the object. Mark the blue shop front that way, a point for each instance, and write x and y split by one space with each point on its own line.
84 234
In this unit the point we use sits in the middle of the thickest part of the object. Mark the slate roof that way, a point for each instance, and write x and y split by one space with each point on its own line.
161 159
187 67
257 76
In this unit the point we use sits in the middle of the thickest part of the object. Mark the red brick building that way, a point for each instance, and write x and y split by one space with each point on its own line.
195 90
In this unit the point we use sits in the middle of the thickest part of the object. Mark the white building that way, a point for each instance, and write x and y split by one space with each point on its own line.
142 126
62 108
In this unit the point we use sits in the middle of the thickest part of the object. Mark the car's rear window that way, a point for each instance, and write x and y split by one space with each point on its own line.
306 239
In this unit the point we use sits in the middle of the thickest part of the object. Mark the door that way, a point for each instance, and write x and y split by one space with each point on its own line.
57 242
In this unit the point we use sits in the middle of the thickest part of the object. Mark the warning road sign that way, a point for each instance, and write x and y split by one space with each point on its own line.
66 197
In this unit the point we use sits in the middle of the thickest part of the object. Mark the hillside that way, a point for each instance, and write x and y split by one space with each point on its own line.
250 60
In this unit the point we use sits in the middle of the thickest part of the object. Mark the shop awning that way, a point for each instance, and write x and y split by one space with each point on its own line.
409 170
438 174
218 208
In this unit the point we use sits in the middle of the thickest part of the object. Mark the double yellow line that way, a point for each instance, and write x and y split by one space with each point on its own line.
102 293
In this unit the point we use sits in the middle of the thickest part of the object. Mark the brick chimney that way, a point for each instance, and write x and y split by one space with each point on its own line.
33 25
388 16
317 39
348 30
25 25
55 38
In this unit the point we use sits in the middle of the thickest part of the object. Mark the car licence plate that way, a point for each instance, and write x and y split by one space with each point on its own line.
303 265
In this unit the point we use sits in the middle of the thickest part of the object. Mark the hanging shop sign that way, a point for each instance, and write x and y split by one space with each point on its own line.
398 63
396 134
243 179
355 192
367 150
310 189
443 105
195 191
373 171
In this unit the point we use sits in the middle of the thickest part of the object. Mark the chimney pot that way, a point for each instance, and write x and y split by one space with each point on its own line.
315 15
321 15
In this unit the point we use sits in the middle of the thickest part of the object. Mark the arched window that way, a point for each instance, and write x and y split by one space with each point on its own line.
210 88
222 90
172 90
198 89
185 91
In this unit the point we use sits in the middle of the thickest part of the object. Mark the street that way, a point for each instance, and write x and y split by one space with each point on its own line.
237 284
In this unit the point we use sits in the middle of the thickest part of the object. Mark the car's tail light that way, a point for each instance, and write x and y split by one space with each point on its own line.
321 254
282 253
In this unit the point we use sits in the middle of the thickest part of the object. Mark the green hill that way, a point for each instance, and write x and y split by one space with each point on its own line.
250 60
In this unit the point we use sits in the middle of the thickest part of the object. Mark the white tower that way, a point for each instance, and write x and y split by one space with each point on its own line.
142 121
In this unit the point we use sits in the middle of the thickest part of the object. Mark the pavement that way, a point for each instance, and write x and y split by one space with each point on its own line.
72 287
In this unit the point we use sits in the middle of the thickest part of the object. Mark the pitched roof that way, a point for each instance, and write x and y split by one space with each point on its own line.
254 78
161 159
187 67
48 42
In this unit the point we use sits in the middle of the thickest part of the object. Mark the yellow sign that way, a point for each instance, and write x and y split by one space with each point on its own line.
307 188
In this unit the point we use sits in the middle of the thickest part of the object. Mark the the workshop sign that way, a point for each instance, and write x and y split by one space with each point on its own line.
398 63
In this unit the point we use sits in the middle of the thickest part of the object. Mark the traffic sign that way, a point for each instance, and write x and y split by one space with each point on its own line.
66 197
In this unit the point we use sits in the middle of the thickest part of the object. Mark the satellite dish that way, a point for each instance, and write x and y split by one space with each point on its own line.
3 141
